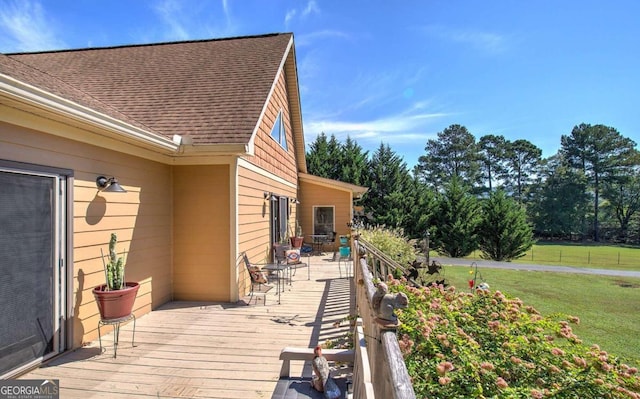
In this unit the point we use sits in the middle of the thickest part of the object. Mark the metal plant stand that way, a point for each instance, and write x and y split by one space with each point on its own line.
116 330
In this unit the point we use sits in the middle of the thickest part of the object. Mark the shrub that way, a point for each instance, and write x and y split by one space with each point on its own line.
481 345
391 242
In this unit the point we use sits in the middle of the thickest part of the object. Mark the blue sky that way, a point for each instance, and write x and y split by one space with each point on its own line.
397 72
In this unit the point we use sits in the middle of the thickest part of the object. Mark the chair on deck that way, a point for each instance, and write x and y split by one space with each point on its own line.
331 239
292 258
258 279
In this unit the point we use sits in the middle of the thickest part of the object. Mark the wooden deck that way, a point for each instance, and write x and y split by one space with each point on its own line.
211 350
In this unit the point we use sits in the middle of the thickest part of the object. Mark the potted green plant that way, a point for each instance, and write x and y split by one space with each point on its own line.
297 239
116 297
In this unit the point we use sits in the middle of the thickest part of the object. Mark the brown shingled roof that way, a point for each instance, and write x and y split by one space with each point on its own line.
211 90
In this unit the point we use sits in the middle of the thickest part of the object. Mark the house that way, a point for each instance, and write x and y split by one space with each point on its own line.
206 138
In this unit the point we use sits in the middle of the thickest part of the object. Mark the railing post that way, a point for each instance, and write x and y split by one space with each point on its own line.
389 374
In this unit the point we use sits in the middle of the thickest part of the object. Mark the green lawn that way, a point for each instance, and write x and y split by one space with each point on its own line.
585 255
608 307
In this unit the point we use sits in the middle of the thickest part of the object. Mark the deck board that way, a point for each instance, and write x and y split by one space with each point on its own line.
210 350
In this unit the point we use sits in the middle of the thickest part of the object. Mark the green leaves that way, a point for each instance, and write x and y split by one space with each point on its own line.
462 345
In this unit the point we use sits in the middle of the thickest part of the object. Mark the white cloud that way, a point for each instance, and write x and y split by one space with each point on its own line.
403 127
291 14
24 26
171 13
207 19
311 8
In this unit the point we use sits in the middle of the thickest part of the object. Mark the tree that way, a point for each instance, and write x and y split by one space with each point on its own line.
352 163
623 200
562 200
420 213
389 183
601 153
522 161
453 154
492 150
323 156
456 220
505 233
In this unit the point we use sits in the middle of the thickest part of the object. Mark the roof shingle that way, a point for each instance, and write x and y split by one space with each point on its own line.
211 90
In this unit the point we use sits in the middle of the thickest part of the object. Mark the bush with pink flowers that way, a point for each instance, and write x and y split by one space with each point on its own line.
487 345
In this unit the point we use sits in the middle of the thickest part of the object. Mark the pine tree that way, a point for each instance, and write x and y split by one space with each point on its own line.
388 181
456 220
504 233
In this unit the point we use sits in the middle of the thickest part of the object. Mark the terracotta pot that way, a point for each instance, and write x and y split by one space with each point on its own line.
116 304
296 242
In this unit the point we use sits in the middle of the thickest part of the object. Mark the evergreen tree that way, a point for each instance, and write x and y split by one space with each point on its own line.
318 157
505 233
601 153
622 201
353 163
561 202
523 159
492 152
389 182
453 154
458 214
421 210
323 157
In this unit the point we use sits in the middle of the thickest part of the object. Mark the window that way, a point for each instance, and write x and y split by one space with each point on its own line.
278 132
323 220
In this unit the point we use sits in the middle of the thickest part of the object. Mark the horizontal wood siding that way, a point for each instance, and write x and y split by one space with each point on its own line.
253 218
316 195
201 239
141 218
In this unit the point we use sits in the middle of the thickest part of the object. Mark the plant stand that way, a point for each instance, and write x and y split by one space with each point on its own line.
116 331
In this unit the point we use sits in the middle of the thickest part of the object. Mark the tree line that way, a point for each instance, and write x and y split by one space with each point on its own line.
589 189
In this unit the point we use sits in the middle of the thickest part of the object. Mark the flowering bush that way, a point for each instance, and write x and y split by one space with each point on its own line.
487 345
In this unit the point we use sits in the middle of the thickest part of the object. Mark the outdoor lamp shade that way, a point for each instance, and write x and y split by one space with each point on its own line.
109 185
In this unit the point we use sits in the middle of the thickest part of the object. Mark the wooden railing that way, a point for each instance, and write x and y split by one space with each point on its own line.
379 368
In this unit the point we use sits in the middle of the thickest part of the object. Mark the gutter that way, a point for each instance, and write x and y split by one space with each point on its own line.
40 98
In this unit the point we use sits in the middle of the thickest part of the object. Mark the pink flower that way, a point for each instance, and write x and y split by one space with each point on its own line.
444 380
535 394
557 352
487 366
501 383
580 362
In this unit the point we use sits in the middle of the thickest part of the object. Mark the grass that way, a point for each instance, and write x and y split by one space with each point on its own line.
601 256
608 307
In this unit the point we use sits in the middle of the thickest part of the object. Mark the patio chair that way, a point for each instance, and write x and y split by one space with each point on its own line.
258 280
331 239
292 258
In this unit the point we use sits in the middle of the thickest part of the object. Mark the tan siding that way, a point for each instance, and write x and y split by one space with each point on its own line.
253 218
201 233
269 155
141 218
316 195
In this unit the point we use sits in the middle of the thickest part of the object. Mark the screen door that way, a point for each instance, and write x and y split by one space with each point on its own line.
31 280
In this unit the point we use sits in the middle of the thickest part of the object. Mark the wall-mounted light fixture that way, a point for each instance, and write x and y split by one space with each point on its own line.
109 185
270 196
294 201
